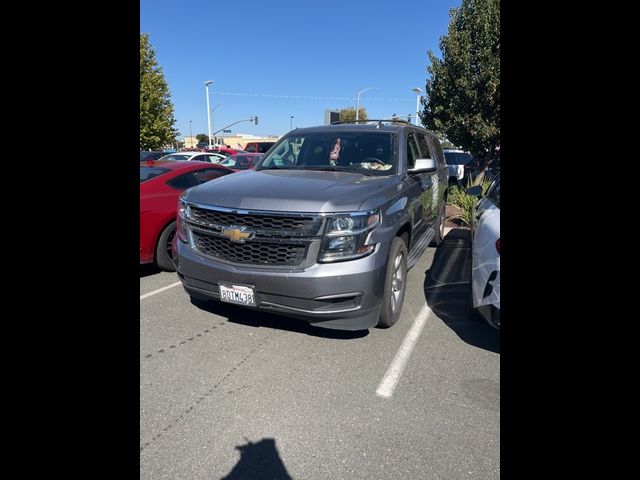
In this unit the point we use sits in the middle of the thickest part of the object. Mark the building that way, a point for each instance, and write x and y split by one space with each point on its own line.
190 142
239 140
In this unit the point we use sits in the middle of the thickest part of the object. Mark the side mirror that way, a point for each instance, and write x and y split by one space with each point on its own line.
475 191
424 165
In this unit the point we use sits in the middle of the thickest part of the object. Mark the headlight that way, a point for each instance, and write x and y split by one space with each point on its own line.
346 234
181 223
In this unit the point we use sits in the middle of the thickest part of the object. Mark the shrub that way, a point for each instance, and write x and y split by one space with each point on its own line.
466 203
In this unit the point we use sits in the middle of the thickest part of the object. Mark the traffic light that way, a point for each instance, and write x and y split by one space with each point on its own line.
255 120
409 118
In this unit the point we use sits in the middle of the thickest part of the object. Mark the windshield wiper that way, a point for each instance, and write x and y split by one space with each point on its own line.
332 168
328 168
276 167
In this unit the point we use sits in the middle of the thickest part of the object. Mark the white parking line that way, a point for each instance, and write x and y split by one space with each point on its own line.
160 290
391 378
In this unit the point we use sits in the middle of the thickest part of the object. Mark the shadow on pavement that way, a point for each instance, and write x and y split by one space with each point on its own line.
447 290
253 318
147 269
259 461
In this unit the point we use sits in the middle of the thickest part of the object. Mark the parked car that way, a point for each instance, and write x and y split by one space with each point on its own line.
323 229
160 185
195 156
227 152
460 165
258 147
485 251
144 156
242 161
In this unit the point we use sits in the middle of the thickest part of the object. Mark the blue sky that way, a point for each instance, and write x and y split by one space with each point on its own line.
279 58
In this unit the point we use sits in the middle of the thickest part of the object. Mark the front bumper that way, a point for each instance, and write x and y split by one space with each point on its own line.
342 295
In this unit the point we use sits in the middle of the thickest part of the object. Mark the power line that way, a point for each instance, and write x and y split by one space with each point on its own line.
310 97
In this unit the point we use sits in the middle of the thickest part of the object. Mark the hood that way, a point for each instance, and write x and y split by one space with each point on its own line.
291 190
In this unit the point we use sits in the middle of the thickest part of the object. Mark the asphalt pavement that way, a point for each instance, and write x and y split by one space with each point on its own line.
227 392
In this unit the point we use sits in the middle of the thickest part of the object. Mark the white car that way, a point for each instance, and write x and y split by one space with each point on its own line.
485 250
195 156
458 162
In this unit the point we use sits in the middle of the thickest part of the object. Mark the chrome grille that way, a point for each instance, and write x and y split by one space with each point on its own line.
250 253
265 222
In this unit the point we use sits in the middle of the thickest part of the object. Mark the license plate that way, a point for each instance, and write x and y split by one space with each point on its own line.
240 294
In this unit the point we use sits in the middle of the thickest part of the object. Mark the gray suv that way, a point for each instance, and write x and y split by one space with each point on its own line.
324 229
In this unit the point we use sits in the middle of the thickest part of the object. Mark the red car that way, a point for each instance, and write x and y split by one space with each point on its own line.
225 151
161 183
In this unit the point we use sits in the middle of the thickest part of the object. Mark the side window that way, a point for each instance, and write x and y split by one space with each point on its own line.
251 148
412 150
183 181
199 158
424 146
209 174
436 148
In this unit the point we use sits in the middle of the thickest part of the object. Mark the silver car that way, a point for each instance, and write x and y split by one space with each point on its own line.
485 249
323 229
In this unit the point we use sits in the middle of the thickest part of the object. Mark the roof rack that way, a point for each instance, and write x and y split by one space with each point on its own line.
370 120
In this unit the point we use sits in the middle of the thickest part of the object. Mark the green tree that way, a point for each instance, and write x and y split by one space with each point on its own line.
463 95
202 138
156 110
349 114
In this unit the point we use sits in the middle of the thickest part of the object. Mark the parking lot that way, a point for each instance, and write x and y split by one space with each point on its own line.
227 392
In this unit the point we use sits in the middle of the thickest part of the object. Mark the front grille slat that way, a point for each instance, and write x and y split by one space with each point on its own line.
250 253
265 222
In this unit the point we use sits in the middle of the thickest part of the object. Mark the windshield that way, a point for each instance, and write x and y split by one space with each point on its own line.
369 153
457 158
240 162
494 192
147 173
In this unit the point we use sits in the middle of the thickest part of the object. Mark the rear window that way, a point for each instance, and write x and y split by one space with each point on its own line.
259 147
457 158
263 147
147 173
150 156
178 156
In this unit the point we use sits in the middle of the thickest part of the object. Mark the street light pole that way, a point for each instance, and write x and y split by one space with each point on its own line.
358 101
418 91
213 117
206 86
291 122
190 133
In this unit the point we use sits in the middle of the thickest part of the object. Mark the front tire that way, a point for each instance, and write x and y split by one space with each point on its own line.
395 283
163 249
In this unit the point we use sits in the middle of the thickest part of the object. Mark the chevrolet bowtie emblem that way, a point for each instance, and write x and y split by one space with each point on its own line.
237 235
